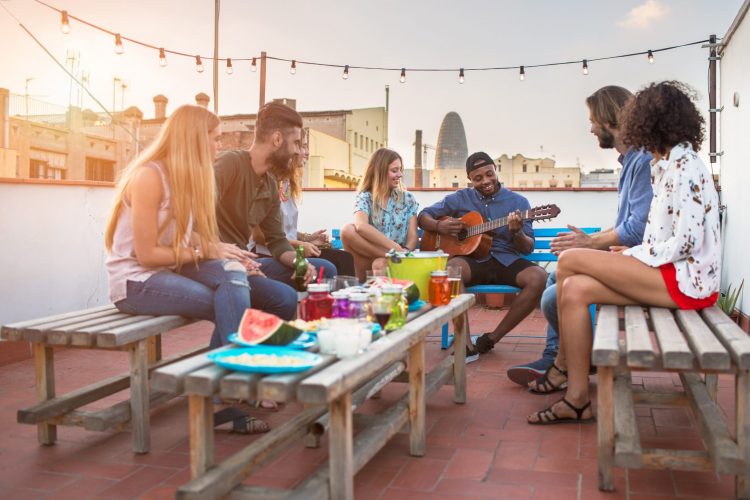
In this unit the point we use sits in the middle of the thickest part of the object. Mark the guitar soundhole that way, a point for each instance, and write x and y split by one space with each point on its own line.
462 234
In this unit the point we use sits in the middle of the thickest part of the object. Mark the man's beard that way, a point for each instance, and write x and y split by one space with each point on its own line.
606 139
281 164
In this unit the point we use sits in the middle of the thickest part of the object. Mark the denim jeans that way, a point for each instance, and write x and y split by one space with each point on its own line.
216 290
549 309
279 272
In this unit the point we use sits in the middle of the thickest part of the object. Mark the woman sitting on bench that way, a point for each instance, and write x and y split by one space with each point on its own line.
164 253
385 214
676 266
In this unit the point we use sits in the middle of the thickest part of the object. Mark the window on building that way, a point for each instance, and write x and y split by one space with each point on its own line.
39 169
522 183
553 182
100 170
499 166
568 183
356 139
537 168
454 184
524 168
537 183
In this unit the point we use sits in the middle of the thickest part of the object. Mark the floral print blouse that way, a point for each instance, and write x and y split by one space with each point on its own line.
683 223
393 222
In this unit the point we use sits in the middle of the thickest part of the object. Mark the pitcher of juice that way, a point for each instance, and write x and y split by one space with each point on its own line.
318 304
399 306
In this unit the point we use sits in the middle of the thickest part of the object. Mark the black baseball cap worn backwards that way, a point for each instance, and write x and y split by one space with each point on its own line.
478 160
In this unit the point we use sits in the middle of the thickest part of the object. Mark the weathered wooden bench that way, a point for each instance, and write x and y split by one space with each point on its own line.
329 392
696 344
98 328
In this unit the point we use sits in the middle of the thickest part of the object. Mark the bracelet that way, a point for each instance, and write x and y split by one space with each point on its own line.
437 226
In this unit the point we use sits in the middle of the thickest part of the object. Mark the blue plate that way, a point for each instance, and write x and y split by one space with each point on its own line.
416 305
304 341
306 359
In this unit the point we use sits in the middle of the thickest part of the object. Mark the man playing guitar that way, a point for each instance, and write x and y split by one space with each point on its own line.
504 265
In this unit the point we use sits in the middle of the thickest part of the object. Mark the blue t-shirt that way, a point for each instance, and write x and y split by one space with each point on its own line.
393 222
493 207
634 196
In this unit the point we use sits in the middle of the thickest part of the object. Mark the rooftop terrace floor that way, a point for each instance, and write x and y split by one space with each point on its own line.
483 449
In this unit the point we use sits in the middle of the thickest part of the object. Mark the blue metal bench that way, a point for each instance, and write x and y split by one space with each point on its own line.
542 253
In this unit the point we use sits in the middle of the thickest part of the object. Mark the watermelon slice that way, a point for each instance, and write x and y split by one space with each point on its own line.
259 327
412 291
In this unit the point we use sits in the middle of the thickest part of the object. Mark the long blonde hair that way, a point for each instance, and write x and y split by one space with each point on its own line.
376 179
183 150
298 165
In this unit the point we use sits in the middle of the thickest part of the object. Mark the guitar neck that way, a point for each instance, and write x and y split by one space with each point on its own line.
493 224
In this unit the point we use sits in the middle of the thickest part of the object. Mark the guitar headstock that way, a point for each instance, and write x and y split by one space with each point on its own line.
544 212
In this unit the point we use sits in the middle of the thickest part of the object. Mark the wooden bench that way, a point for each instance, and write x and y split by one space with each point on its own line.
695 344
329 392
542 253
98 328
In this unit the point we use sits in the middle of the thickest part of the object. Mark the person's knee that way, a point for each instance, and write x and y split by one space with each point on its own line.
348 233
534 279
575 292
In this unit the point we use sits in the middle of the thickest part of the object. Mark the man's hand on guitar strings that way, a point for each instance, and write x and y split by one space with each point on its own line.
450 226
515 222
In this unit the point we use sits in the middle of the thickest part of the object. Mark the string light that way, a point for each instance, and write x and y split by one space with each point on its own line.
522 74
345 76
253 66
403 75
198 64
230 69
64 22
650 57
585 67
461 76
293 69
162 58
118 44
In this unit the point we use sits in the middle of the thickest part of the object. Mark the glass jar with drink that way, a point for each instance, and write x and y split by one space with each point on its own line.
440 291
399 307
318 304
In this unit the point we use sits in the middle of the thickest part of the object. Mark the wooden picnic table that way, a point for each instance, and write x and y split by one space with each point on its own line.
697 345
330 392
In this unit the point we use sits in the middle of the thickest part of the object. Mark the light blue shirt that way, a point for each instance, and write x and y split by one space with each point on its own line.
393 222
634 196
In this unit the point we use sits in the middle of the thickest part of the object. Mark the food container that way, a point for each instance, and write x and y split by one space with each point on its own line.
416 267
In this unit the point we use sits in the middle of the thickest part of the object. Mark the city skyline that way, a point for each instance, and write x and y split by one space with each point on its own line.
544 115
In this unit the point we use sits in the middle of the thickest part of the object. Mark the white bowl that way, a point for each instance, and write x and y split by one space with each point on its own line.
327 341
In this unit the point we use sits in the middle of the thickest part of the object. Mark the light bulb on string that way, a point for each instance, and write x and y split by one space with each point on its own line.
198 64
230 69
585 67
253 66
118 44
522 74
461 76
64 22
293 69
345 76
403 75
650 57
162 58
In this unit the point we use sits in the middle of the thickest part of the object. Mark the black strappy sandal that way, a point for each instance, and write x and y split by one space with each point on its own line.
242 423
544 385
549 417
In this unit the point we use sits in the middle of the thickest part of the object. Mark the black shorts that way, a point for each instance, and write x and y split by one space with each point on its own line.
491 272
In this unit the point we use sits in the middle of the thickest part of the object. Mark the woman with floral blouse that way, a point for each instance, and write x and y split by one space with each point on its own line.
676 266
385 214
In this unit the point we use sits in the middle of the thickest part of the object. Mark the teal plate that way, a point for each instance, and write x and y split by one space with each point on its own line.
306 359
304 341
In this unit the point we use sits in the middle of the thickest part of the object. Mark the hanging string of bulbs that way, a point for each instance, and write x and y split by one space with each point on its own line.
65 18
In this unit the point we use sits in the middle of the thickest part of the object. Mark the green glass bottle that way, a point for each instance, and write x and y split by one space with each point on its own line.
300 269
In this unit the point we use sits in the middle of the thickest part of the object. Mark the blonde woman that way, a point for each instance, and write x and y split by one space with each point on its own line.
164 253
385 214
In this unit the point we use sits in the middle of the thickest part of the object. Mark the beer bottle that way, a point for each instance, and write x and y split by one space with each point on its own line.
300 269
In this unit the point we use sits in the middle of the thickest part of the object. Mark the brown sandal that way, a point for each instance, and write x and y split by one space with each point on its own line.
549 417
544 385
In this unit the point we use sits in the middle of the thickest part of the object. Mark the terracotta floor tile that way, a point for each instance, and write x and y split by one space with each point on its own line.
420 474
480 489
141 481
468 464
655 482
564 480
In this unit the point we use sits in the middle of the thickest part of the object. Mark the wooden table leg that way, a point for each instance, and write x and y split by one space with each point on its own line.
417 407
605 426
742 395
461 333
154 349
712 385
139 396
44 367
340 448
201 417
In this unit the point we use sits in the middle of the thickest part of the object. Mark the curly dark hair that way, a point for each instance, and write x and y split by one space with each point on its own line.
661 116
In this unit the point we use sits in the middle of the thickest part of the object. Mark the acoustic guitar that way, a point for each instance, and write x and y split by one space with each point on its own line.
476 238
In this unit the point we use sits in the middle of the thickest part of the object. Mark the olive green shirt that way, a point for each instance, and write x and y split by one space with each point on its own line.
245 200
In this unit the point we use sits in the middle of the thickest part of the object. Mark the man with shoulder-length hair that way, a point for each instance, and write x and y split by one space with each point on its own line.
247 190
634 199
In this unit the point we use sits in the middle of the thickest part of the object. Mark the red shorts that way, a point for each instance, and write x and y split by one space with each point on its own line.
669 274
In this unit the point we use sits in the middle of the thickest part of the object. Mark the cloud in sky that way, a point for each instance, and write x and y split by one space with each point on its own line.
643 16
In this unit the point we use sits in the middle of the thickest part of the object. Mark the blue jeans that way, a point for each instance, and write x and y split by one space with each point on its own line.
216 290
279 272
549 309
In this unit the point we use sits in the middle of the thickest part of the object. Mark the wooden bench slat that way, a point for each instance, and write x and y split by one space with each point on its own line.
283 388
204 382
90 323
21 325
171 378
606 350
130 333
675 352
240 386
87 335
734 339
38 331
640 351
707 348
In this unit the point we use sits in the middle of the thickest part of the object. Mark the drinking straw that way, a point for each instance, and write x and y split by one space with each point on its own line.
320 275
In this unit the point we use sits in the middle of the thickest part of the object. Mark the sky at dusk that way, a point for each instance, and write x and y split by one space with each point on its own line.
543 115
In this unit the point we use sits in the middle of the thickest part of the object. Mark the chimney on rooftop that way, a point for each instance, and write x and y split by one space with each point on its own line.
418 160
160 107
202 100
